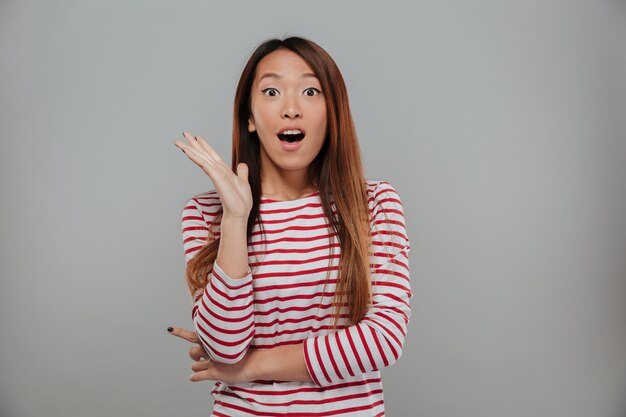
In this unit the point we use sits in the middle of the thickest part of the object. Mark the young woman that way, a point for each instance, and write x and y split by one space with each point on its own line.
297 264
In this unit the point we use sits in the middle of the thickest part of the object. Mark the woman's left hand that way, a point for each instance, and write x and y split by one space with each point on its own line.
205 369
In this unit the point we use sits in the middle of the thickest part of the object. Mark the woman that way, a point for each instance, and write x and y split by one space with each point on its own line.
297 264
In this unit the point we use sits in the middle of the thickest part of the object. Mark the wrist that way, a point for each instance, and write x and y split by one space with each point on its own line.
259 362
232 254
282 363
233 221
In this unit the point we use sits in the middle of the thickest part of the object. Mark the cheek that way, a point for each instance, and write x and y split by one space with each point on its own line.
261 116
260 124
322 122
318 116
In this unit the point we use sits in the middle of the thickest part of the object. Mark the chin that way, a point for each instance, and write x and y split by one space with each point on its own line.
287 163
293 167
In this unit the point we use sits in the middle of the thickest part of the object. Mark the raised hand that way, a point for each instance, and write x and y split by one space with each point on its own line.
234 190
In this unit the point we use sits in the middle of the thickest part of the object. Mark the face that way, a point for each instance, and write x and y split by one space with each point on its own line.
288 113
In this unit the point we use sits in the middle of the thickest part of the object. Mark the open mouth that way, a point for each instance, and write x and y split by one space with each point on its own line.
291 136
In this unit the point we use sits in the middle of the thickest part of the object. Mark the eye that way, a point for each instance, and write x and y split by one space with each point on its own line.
312 91
272 92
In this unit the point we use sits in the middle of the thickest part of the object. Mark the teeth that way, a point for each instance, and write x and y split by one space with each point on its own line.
291 135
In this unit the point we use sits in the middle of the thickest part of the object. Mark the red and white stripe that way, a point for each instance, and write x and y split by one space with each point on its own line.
287 299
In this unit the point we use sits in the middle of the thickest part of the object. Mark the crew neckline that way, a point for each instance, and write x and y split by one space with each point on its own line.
271 200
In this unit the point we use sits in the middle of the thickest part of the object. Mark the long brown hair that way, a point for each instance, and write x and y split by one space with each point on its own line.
337 171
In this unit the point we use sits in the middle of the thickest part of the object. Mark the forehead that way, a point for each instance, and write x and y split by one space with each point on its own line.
283 63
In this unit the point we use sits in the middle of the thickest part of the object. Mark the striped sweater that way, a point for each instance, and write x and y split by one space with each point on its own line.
287 298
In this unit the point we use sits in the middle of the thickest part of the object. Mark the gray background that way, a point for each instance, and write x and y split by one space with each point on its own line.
501 123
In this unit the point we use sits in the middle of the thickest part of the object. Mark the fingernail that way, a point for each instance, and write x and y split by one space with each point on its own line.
191 377
170 329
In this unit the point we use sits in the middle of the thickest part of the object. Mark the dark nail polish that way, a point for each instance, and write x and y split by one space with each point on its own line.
170 329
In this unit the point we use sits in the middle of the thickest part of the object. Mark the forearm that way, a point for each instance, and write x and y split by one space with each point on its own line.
374 342
283 363
232 255
224 315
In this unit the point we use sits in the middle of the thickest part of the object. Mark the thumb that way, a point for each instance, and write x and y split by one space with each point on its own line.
242 171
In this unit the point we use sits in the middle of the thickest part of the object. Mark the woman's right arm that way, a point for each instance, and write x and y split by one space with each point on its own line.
223 315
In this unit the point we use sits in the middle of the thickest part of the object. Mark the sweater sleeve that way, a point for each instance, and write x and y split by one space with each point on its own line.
223 314
377 340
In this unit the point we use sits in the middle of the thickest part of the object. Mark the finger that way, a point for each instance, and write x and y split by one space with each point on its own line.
217 173
208 148
199 157
197 353
184 334
201 365
203 376
186 146
242 171
196 151
193 142
189 136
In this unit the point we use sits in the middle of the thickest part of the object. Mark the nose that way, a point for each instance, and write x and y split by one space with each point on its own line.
291 109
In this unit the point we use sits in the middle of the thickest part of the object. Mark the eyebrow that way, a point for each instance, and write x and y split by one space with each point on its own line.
274 75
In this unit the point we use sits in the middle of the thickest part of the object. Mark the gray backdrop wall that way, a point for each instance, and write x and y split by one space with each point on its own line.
501 124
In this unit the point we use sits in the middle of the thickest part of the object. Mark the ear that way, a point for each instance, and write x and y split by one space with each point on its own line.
251 126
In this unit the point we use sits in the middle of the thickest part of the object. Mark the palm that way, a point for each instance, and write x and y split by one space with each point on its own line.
233 189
